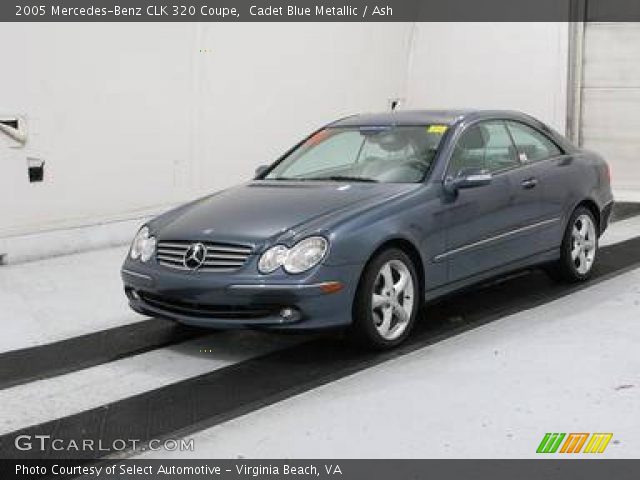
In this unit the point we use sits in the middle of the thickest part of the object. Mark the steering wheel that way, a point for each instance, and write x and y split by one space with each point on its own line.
412 170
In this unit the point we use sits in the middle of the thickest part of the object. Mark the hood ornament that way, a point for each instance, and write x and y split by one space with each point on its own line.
194 256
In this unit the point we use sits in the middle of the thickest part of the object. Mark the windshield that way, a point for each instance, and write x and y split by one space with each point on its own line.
401 154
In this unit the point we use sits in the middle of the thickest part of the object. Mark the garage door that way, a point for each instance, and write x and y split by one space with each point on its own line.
611 99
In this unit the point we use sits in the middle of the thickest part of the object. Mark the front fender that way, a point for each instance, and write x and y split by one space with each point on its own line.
354 240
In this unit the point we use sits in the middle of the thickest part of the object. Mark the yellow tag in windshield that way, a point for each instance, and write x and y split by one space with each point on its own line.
437 129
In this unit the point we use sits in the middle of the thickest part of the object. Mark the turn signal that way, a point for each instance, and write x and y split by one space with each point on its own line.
331 287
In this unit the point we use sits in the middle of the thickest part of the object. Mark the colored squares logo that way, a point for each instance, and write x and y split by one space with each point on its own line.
550 442
574 443
598 442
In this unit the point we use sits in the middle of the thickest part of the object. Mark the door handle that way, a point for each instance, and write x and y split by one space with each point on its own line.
529 183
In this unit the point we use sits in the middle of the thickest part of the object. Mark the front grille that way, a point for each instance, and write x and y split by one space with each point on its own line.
219 257
193 309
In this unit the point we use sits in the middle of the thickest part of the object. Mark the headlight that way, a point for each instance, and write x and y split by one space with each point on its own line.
304 255
272 259
148 249
143 246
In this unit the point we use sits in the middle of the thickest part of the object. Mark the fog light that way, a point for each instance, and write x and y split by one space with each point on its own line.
287 313
135 295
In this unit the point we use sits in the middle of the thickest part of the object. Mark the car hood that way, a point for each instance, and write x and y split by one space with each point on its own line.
264 210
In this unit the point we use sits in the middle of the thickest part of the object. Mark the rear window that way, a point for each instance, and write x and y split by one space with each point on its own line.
532 145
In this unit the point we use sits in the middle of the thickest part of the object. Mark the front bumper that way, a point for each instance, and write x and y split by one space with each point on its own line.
242 300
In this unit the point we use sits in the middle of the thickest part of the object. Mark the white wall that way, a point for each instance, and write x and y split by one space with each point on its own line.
519 66
611 101
132 117
281 81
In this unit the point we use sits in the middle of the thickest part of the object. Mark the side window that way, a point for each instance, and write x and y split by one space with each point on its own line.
486 146
532 145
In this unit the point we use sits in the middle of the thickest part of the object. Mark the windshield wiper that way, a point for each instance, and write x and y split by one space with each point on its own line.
340 178
296 179
335 178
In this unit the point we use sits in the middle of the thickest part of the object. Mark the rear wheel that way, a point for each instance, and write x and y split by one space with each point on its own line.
387 300
579 248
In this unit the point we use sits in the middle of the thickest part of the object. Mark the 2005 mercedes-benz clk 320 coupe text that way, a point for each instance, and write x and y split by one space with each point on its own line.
370 216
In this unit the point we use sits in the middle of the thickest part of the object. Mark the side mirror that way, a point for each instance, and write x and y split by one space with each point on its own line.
467 180
260 170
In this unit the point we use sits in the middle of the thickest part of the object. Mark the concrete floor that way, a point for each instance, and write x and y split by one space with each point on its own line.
627 195
571 365
44 400
62 297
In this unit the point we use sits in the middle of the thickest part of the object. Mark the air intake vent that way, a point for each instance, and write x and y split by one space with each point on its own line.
218 257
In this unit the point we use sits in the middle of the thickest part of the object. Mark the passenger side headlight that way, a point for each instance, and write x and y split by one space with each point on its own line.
301 257
273 259
143 246
305 254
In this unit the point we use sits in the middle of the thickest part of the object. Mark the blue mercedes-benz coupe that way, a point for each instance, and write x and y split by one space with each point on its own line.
369 217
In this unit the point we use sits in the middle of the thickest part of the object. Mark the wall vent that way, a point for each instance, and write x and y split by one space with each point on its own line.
13 123
15 128
35 167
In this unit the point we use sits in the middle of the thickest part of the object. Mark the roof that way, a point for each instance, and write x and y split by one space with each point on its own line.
445 117
403 117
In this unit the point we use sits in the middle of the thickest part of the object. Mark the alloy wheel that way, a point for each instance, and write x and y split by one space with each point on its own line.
392 300
583 244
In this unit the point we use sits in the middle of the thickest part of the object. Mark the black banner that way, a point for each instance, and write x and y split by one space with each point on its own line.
318 10
533 469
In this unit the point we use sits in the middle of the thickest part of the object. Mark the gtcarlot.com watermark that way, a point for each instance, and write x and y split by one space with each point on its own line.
44 443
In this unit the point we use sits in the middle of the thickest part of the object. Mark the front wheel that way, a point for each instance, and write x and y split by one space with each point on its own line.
387 300
579 248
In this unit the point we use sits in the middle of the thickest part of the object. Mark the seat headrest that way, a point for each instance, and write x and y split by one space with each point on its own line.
474 138
391 141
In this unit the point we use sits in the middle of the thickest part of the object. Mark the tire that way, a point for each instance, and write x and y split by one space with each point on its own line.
387 301
579 249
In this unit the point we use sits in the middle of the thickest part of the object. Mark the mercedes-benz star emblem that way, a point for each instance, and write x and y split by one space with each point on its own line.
194 256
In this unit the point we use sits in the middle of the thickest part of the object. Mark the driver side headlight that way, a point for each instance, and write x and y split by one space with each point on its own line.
143 246
304 255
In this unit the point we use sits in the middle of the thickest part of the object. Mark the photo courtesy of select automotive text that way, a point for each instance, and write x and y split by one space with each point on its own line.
320 239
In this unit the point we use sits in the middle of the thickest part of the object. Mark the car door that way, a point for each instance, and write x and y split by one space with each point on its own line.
540 192
479 220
